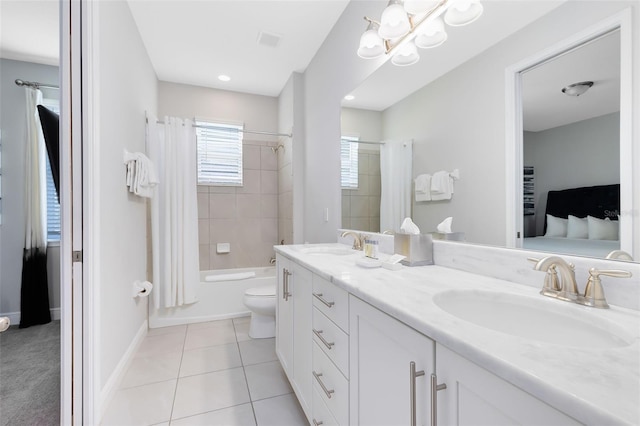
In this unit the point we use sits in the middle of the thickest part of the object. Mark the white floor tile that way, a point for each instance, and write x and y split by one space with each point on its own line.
211 391
142 405
240 415
267 380
182 329
241 320
211 324
212 358
155 345
158 368
279 411
258 350
210 336
242 331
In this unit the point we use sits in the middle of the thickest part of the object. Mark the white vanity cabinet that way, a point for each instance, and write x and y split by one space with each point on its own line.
293 328
474 396
390 366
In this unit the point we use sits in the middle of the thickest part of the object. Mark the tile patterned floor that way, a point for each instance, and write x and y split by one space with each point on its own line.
210 374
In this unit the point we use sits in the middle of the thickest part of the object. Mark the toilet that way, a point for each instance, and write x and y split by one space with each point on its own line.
261 301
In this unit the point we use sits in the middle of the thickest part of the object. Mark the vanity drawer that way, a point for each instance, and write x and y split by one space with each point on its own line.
331 301
331 385
321 414
336 341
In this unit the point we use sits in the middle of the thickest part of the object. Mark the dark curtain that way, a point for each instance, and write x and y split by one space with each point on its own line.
34 294
50 128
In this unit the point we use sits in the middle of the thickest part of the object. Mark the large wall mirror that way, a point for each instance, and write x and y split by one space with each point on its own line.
458 121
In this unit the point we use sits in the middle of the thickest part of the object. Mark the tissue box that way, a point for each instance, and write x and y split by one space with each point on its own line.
418 248
448 236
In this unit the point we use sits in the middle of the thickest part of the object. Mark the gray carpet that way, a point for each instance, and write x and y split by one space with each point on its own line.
30 375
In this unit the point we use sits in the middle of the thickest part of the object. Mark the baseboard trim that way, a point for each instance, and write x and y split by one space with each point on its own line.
14 317
113 383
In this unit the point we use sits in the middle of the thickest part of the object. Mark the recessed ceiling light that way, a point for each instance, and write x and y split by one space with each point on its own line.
223 77
349 98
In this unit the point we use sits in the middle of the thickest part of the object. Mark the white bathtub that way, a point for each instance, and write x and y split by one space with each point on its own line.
217 300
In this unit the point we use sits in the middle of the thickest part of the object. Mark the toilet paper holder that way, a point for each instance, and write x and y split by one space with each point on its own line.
141 289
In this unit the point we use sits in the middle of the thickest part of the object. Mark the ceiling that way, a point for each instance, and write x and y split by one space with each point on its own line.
544 104
194 41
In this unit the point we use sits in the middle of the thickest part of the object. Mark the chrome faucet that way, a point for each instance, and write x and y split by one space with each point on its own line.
357 239
567 288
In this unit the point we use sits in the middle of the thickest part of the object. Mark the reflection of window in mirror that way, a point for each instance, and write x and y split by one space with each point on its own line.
360 181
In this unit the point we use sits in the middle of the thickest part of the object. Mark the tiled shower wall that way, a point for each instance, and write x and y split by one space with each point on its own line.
245 217
361 207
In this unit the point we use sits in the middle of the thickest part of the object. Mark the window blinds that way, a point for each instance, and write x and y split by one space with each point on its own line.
219 154
349 162
53 205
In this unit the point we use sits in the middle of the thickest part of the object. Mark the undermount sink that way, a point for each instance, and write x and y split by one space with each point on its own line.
338 251
533 319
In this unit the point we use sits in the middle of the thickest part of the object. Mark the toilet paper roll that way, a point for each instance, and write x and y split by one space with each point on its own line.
142 289
5 322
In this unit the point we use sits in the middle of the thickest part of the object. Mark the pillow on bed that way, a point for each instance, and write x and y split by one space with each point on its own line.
602 229
556 227
577 227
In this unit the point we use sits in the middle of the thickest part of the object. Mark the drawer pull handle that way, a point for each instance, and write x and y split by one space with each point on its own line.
317 423
322 339
327 392
285 279
435 387
320 298
413 374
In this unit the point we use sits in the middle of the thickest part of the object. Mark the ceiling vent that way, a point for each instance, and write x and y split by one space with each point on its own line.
268 39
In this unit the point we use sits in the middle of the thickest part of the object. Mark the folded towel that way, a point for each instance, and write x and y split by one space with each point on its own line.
423 187
141 174
440 182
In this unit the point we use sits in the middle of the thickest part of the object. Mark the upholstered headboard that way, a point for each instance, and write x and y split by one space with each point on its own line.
600 201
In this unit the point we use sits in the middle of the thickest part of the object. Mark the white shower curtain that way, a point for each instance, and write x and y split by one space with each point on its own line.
395 171
174 212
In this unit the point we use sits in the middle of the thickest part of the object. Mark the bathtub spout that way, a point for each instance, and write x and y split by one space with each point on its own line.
272 261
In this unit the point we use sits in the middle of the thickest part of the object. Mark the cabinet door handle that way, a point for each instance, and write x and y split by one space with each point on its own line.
322 339
286 275
435 387
327 392
320 298
284 283
412 389
317 423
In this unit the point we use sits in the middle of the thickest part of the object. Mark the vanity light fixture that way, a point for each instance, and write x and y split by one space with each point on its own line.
577 89
405 25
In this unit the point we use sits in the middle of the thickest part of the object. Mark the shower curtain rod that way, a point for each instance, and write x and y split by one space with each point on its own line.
256 132
35 84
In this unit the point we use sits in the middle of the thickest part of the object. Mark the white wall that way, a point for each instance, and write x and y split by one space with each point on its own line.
334 71
458 121
13 125
591 148
127 87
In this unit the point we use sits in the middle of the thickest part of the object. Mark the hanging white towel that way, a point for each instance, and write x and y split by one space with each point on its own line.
141 174
441 186
423 187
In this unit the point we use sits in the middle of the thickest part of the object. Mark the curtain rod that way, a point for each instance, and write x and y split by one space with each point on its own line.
35 84
256 132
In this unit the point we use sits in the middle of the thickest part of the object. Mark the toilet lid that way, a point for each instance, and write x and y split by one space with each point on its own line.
265 290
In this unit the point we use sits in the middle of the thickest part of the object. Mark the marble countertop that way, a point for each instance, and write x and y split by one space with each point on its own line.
594 386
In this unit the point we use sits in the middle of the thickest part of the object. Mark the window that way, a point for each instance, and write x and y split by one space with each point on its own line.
53 205
349 162
219 154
